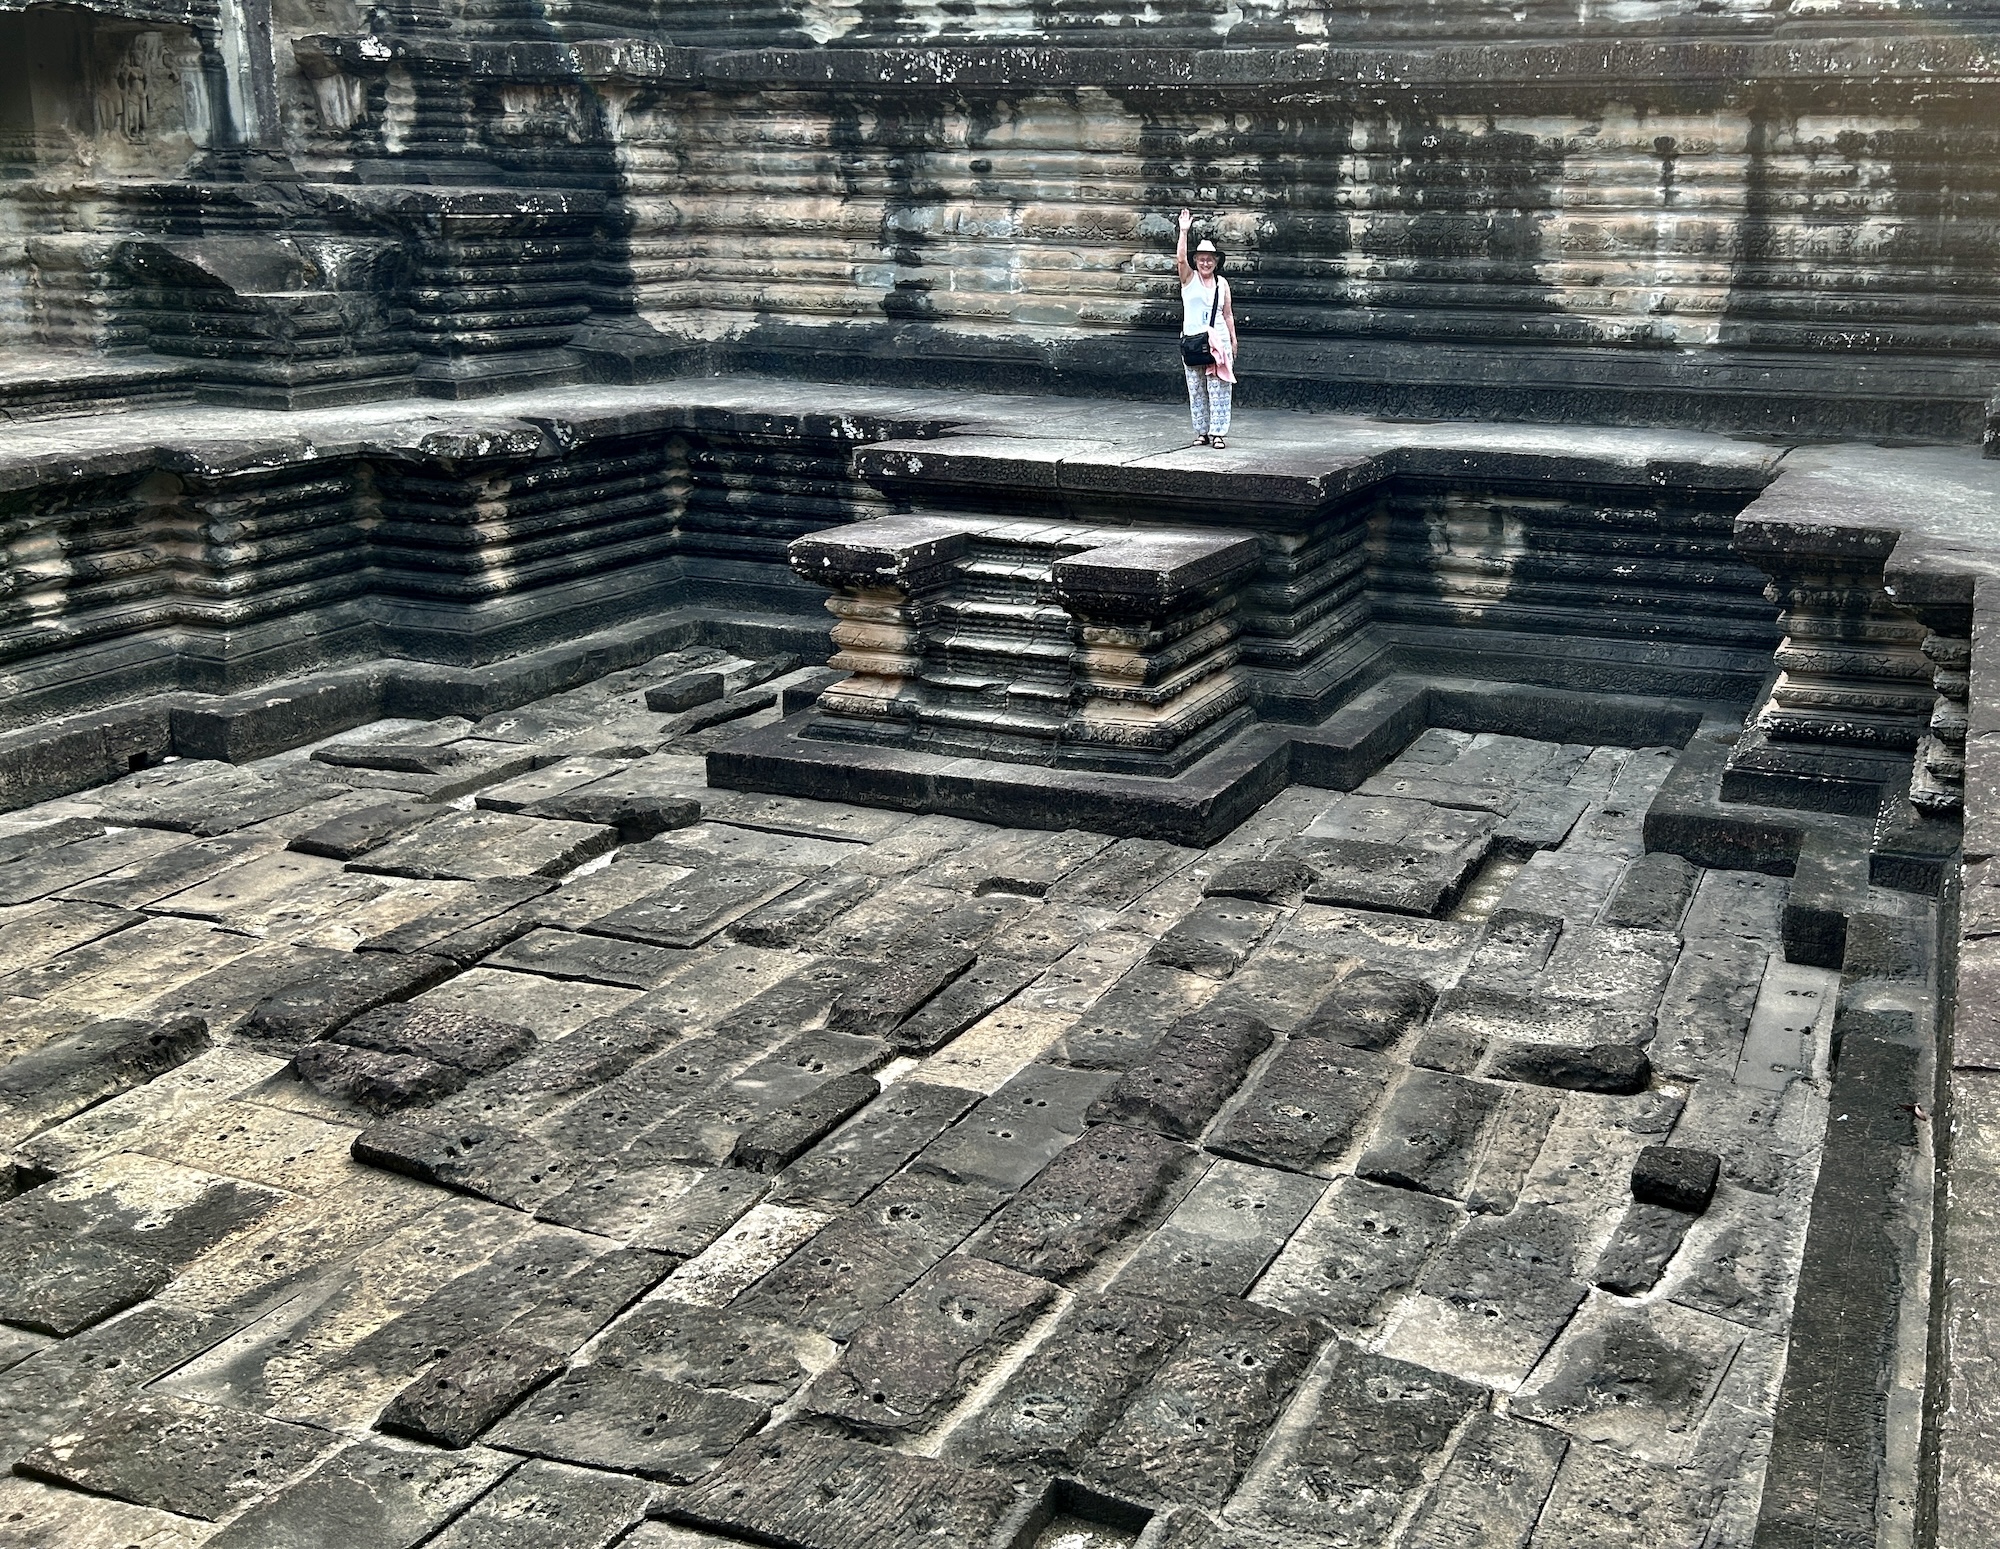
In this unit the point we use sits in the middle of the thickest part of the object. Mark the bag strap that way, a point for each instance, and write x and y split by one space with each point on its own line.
1216 304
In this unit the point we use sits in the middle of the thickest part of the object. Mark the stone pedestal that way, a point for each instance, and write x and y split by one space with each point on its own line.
1033 642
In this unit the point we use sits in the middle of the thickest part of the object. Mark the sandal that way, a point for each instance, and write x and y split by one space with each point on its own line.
1218 443
1201 440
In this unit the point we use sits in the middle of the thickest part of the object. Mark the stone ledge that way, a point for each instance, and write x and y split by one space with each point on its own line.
1214 794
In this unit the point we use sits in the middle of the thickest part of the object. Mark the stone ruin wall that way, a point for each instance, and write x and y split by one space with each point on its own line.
1650 213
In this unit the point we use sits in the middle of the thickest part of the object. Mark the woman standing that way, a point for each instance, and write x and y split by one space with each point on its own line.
1208 336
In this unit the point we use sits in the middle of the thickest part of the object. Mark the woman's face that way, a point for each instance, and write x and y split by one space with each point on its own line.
1204 264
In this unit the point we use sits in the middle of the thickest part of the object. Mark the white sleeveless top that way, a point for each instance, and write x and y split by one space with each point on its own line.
1196 299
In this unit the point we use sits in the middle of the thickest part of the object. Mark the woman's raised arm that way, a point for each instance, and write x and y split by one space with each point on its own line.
1180 248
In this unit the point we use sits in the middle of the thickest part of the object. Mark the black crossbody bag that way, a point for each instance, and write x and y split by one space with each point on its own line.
1194 346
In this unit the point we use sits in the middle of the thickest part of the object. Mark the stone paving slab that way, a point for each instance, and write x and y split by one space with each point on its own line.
819 1175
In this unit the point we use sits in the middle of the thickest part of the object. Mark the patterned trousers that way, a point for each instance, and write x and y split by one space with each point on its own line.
1208 401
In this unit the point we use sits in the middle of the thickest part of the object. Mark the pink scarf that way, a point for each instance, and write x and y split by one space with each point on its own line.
1218 339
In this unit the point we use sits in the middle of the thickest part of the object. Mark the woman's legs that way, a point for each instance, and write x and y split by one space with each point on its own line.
1218 406
1197 400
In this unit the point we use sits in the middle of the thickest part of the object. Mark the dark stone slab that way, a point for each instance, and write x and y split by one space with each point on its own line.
61 1287
684 692
782 1134
638 802
905 1367
889 1131
984 987
714 1348
469 1389
1519 1268
541 1505
1221 1236
1829 882
808 1490
148 877
475 904
598 1052
503 1165
370 1492
1305 1107
1013 1134
880 1002
1705 1012
317 1005
1370 1009
381 1083
1676 1176
67 1075
1540 820
590 1296
1620 1068
1886 946
1072 1385
623 1418
1115 877
56 1389
1098 1191
865 1258
563 954
1654 893
1215 939
1492 1491
731 707
1366 1451
475 846
1361 1245
356 833
706 1129
1193 1429
801 917
196 1460
474 1044
1131 1018
47 836
661 1207
207 799
1189 1078
1272 878
1428 1135
688 912
795 1003
1647 1237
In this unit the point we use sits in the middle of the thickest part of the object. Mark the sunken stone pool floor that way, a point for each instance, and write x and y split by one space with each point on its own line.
490 1134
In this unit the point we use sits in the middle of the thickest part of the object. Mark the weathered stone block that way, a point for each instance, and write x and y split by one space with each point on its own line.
469 1390
1177 1092
902 1369
1096 1192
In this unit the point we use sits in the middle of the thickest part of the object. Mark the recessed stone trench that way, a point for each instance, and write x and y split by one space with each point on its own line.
493 1105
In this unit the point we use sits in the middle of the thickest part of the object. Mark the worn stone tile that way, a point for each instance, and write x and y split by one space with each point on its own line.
550 1007
31 934
370 1492
101 1060
542 1503
1430 1133
864 1259
193 1459
1492 1298
1361 1246
1492 1490
716 1349
560 954
757 1244
1191 1074
1012 1135
122 859
794 1486
801 917
1603 1499
1221 1236
136 965
1071 1386
997 1047
1214 940
46 1516
619 1417
1350 1465
1124 1021
473 846
57 1388
1193 1429
1435 951
1098 1190
1743 904
1305 1107
842 1168
902 1369
452 1402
